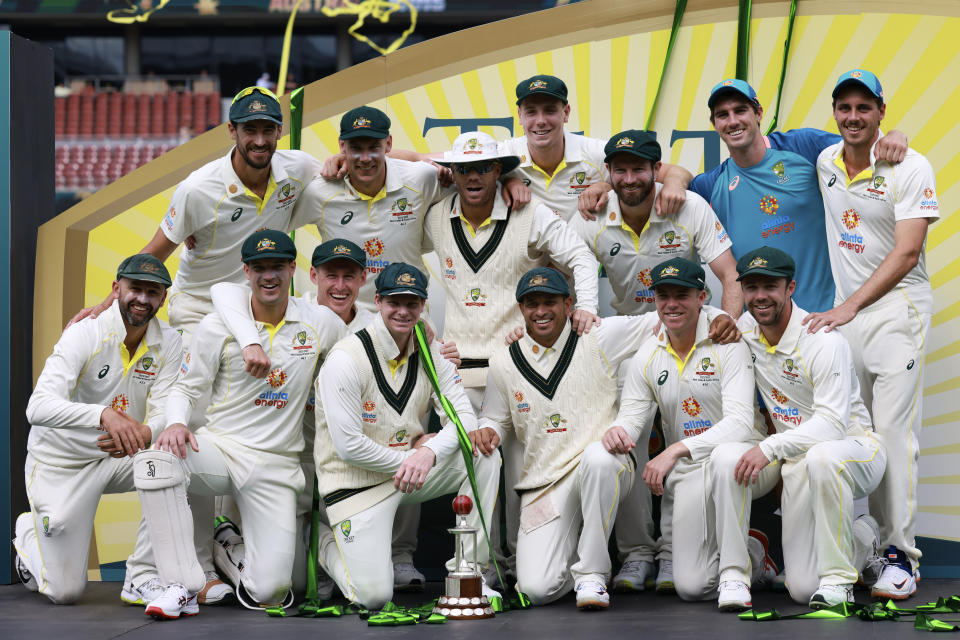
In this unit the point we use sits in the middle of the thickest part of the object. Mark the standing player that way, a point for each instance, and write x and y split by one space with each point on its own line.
558 392
380 203
877 217
220 204
558 165
704 391
101 377
629 242
370 450
249 443
825 445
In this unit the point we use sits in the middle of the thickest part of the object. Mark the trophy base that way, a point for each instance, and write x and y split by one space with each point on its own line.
464 600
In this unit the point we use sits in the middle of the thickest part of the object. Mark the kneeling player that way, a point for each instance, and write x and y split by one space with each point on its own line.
558 392
249 443
101 376
828 453
704 391
371 453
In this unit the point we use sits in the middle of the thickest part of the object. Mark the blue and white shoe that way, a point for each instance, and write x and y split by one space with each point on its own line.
897 580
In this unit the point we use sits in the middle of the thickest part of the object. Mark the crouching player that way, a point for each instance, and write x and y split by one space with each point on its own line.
249 443
370 450
89 417
704 391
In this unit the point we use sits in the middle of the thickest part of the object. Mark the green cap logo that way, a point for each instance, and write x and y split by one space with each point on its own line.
475 293
581 176
285 190
778 169
878 182
302 337
46 524
555 420
402 204
345 528
400 435
146 362
788 364
669 236
705 364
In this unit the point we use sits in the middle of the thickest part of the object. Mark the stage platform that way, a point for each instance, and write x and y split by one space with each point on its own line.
100 614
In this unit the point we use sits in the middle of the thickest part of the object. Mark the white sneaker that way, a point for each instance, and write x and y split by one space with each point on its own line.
406 577
592 595
829 595
24 522
215 591
143 593
175 601
763 570
665 577
897 580
734 596
633 575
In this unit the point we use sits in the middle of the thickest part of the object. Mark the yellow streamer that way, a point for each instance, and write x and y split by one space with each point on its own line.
285 54
133 13
378 9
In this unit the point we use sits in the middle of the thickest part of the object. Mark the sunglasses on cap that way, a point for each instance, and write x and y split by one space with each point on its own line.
249 90
480 167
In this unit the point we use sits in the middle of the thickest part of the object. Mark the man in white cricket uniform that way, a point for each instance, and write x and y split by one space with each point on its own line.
558 165
380 204
705 392
877 218
103 375
338 271
825 445
484 247
558 392
371 453
629 242
250 442
220 204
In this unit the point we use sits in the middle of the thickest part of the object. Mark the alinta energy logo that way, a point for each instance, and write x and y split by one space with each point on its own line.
785 414
555 423
779 224
851 240
374 248
368 415
697 425
645 293
276 399
929 202
522 406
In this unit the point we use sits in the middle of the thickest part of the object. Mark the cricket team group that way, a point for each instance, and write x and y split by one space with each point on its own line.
805 379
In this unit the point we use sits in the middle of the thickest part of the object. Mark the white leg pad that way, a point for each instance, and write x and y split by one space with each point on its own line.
162 487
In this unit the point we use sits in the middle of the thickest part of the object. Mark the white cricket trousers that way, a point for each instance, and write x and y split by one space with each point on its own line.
711 520
63 503
819 488
888 343
564 532
265 487
356 552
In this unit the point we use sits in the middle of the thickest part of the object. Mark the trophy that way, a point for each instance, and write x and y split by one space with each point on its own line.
463 597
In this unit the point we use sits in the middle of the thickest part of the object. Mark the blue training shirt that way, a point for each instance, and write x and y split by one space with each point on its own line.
777 203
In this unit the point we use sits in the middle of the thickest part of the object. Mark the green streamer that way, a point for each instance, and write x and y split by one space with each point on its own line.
296 126
677 18
466 447
743 39
873 612
783 64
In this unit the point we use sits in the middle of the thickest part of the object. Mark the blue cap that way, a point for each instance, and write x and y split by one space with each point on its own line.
862 77
732 85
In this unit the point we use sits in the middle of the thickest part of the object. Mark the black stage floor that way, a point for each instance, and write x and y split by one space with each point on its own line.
100 614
